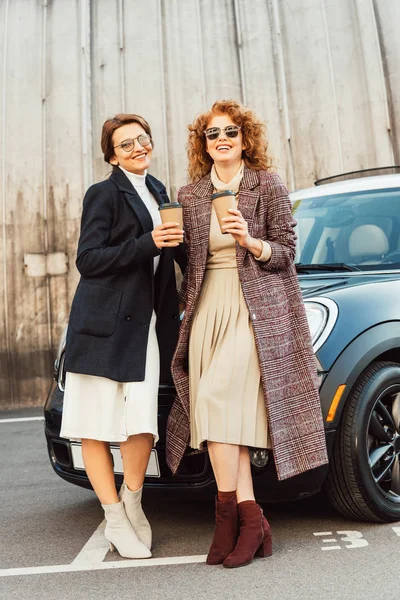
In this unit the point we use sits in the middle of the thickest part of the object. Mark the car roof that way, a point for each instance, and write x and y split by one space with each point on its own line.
378 182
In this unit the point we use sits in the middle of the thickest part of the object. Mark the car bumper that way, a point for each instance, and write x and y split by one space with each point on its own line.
195 471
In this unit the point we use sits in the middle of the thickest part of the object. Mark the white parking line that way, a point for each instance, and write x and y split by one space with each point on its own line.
21 420
91 558
95 549
120 564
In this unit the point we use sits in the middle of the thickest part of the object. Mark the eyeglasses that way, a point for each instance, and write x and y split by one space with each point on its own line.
213 133
128 145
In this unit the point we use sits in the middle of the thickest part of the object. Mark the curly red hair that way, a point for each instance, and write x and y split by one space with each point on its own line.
253 130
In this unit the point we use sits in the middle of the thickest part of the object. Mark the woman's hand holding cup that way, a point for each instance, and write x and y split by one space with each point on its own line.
237 226
167 235
172 225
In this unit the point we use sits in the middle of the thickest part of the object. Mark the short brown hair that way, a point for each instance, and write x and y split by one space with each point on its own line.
255 154
115 123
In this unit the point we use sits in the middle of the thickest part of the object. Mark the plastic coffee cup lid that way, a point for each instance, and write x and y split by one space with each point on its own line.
223 193
170 205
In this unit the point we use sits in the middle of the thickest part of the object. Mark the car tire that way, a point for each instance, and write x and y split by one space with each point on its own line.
358 485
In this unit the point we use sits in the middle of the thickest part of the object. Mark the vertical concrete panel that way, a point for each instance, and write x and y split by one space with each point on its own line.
260 76
374 82
184 80
387 15
107 80
85 38
144 75
313 112
6 379
27 297
350 85
65 186
220 52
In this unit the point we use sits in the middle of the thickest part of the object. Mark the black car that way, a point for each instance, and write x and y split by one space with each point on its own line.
348 261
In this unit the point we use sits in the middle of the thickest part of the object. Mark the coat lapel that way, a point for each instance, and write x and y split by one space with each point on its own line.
200 219
160 197
133 198
248 196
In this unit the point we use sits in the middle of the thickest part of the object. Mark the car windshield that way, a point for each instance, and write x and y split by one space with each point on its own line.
352 231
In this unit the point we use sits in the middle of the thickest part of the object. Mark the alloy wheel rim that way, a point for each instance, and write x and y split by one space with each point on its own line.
383 443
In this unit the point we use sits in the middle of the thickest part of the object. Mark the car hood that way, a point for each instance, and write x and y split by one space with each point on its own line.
317 283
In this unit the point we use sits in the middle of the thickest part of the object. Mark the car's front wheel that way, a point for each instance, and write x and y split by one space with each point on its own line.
364 476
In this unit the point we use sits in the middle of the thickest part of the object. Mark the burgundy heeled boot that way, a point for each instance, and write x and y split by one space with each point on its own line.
226 531
255 537
266 547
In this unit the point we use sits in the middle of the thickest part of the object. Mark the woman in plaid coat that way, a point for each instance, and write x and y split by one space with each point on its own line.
244 367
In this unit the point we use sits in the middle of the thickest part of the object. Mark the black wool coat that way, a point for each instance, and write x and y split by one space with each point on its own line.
110 315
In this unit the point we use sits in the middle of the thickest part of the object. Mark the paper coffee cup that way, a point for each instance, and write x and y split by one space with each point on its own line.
172 212
222 201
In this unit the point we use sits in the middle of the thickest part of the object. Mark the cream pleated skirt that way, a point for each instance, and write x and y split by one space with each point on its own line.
226 397
102 409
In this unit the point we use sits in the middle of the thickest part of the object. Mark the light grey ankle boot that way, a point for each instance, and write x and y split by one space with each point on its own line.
120 533
134 511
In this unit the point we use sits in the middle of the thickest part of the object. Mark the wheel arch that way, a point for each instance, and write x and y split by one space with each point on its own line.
381 342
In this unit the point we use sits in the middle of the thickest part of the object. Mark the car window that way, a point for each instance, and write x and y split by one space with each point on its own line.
303 230
360 229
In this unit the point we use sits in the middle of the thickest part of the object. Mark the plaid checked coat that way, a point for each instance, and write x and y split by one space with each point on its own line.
273 296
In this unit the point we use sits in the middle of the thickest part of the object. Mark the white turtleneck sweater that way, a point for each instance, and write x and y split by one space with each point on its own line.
139 183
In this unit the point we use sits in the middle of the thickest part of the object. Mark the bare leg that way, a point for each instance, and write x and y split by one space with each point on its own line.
99 468
225 463
244 490
135 456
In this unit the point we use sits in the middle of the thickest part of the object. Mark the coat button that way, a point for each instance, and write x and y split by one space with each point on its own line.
175 316
127 317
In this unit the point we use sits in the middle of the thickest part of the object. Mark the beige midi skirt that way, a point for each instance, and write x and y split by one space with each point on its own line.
226 398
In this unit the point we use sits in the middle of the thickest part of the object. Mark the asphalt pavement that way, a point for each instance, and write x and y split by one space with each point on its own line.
52 545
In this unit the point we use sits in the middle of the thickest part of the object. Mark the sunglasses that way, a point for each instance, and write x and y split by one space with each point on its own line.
231 131
128 145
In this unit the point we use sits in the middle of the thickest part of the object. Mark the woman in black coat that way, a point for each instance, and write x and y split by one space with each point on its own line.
123 327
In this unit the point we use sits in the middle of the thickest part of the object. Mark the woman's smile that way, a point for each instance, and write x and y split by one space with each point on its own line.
141 157
223 147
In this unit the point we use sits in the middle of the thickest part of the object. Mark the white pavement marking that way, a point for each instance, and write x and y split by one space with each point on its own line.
21 419
95 549
351 538
327 540
396 530
120 564
91 558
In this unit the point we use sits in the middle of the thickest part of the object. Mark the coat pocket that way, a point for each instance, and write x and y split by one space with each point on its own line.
95 310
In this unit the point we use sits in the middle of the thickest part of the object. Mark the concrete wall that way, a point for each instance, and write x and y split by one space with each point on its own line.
324 74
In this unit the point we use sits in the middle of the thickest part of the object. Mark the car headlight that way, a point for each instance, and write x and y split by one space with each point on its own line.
321 314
